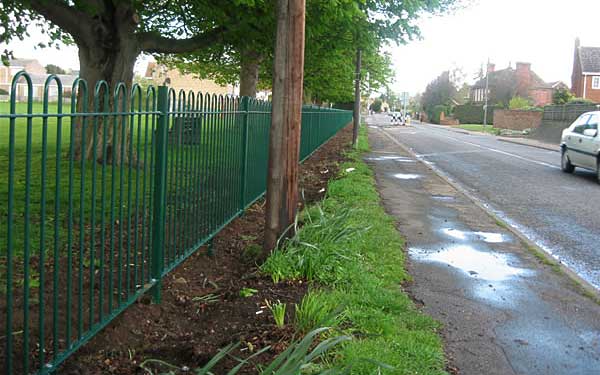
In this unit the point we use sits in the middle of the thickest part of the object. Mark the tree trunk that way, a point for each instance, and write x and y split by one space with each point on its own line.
110 56
250 64
284 142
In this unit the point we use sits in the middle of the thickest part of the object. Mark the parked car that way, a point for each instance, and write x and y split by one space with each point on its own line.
580 144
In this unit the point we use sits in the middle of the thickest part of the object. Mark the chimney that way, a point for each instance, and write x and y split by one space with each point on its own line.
491 68
577 43
523 78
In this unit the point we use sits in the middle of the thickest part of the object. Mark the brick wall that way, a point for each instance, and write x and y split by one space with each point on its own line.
590 93
517 120
541 97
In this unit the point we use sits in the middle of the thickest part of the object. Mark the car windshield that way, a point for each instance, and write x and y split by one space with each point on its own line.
582 120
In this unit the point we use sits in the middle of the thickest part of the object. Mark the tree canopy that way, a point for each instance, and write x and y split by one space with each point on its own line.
228 41
439 92
334 30
54 69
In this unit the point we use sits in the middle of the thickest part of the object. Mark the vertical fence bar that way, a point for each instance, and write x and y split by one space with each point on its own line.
160 179
244 108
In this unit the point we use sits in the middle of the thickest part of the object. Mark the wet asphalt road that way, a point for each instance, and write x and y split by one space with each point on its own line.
522 184
504 312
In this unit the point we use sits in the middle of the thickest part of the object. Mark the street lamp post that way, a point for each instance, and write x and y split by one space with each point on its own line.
487 84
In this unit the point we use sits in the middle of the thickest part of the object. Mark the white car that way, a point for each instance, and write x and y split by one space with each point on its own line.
580 144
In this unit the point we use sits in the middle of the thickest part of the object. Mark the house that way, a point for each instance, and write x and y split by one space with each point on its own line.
585 79
506 83
162 75
38 79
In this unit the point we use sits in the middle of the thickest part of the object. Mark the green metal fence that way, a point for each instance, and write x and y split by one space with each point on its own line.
105 195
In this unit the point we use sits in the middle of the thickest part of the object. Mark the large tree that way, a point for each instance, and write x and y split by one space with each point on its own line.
439 92
334 30
111 34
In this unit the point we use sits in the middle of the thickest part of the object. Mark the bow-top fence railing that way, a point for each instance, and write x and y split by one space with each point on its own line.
106 191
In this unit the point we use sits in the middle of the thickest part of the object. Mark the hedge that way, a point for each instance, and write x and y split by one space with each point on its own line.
473 113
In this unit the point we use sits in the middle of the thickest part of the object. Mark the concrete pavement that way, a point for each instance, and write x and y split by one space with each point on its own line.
504 311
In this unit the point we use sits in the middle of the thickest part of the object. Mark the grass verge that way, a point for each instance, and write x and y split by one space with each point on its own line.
480 128
351 252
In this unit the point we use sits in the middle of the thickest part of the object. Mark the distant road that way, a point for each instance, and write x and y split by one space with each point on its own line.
524 185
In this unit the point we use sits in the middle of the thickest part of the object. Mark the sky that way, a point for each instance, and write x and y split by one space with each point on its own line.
541 32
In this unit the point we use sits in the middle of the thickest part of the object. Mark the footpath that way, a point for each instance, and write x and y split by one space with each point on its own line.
505 309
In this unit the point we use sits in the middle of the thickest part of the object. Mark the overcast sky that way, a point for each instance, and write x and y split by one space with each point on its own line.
541 32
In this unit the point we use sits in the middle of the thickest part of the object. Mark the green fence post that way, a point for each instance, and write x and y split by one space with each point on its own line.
160 181
244 107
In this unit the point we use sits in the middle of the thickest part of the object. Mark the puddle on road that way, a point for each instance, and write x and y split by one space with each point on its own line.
591 338
488 266
443 198
402 159
488 237
406 176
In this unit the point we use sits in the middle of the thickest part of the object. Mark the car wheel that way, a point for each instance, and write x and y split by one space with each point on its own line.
598 170
565 163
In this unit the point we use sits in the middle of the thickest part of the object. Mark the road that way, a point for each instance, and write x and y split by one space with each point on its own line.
521 184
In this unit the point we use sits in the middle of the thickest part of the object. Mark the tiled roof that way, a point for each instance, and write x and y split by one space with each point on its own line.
510 74
590 59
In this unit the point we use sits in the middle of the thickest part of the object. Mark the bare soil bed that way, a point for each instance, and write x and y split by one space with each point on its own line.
202 309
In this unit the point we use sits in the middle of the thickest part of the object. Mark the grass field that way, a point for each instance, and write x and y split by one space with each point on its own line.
351 252
480 128
50 176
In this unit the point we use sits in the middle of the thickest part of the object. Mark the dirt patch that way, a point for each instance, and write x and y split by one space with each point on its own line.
202 308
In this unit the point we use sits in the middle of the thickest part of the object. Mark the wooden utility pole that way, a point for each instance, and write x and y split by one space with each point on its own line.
357 98
284 142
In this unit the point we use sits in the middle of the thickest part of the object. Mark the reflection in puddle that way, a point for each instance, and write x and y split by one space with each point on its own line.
591 338
488 237
443 198
391 157
407 176
477 264
455 233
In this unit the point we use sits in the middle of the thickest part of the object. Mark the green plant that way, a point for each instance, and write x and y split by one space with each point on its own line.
316 310
376 105
298 355
580 101
247 292
518 102
278 311
562 96
314 252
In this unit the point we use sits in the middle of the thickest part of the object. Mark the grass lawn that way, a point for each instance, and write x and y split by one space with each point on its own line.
351 252
57 183
480 128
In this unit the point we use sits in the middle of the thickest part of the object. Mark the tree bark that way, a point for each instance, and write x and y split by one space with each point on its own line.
250 64
284 142
109 56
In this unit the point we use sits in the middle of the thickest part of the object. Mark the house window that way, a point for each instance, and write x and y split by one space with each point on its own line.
596 82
